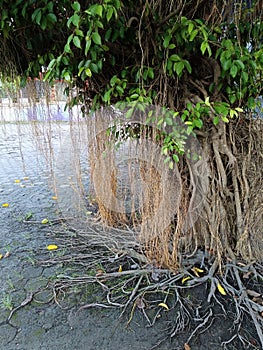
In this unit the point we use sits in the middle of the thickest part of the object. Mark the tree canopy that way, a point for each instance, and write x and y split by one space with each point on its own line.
133 50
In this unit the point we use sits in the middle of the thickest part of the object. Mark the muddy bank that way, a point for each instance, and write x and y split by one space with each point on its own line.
27 197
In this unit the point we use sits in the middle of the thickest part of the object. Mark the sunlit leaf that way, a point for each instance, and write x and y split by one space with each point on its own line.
17 181
44 221
5 205
120 268
164 306
221 289
54 198
52 247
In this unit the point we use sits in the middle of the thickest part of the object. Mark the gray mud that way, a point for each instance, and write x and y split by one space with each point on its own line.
41 323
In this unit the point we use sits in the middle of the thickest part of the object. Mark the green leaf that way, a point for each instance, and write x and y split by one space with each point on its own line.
109 14
174 58
226 64
166 41
79 32
75 19
178 67
193 34
38 17
67 76
244 76
190 27
175 158
50 6
51 17
113 80
76 6
43 24
120 90
187 66
35 13
233 71
215 120
67 48
88 72
94 68
87 47
96 38
99 10
240 64
150 73
76 42
204 46
225 119
198 123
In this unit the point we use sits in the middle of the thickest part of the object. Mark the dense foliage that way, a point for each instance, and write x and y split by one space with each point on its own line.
132 50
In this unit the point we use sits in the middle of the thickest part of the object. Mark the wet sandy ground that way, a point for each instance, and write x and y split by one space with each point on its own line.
26 185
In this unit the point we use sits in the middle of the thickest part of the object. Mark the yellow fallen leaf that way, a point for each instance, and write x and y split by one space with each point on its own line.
17 181
221 289
196 271
7 254
52 247
26 178
89 212
186 278
164 305
44 221
1 256
120 268
5 205
54 198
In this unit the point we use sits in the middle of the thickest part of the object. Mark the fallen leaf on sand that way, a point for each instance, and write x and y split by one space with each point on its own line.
7 254
5 205
196 271
52 247
54 198
17 181
1 256
44 221
164 306
221 289
187 347
186 278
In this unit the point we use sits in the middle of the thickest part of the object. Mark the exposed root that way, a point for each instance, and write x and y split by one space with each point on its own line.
137 287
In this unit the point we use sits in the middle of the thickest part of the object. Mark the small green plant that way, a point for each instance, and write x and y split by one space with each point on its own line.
6 302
